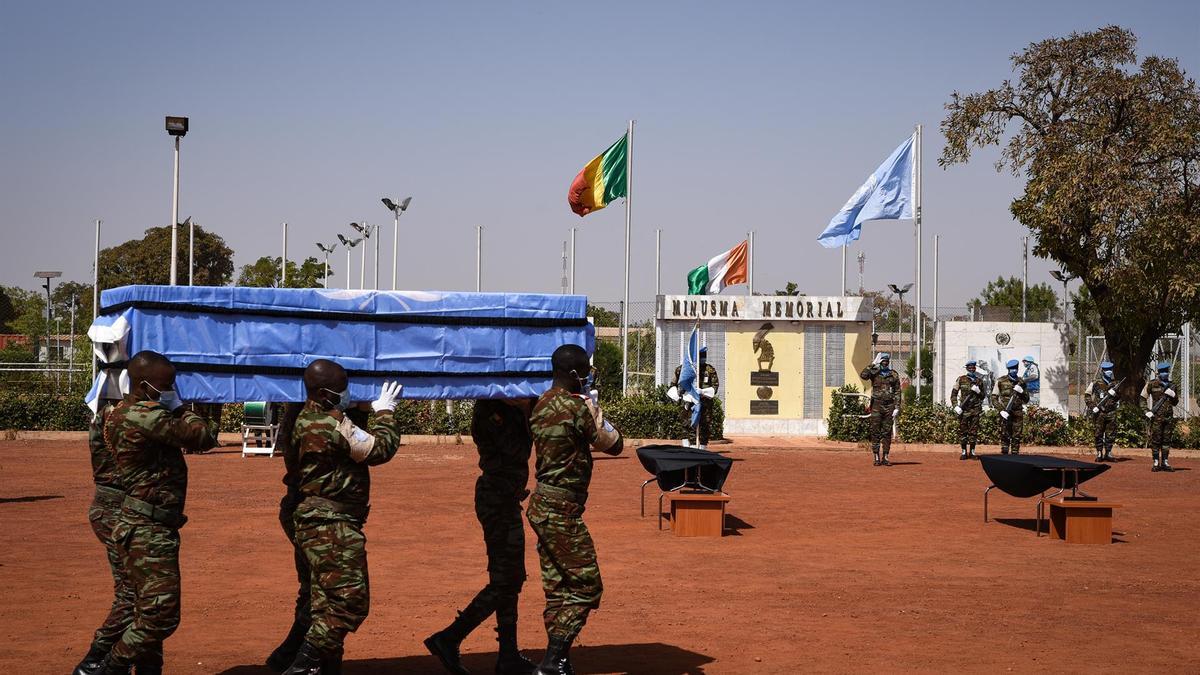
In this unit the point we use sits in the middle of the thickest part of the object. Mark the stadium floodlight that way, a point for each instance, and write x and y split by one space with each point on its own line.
47 276
327 250
177 127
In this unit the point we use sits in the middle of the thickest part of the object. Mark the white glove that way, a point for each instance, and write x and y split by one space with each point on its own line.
1170 392
975 388
606 435
1149 414
1112 392
878 358
387 397
895 413
1096 410
673 394
1004 414
708 391
1018 388
957 410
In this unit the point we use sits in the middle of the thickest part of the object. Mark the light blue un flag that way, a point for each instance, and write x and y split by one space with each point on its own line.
887 195
688 381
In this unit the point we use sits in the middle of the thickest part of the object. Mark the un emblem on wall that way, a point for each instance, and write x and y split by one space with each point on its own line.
1003 339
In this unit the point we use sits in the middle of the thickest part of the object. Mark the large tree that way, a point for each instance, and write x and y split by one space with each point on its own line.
1040 302
264 272
1109 146
148 260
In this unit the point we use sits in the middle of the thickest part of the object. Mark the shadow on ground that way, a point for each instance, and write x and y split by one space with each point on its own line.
25 500
650 658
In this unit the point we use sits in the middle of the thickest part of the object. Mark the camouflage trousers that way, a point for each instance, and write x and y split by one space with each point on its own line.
498 508
287 509
1106 431
570 571
968 427
1160 433
150 554
336 552
103 516
705 422
881 426
1010 433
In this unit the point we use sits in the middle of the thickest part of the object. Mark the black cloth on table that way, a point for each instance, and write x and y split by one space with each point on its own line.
1030 475
672 464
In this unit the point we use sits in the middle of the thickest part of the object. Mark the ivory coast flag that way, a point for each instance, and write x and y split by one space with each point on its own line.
602 180
723 270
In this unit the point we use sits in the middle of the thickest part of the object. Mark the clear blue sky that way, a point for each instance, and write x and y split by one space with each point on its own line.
761 116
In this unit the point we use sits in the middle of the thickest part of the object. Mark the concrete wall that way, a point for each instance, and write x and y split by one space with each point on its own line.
958 341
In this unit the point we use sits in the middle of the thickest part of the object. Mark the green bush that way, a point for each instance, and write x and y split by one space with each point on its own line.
656 416
844 421
938 424
43 412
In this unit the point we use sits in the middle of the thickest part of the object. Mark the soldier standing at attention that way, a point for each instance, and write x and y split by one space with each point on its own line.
566 425
1010 399
885 404
334 457
1161 397
500 429
1102 398
147 433
106 505
708 384
967 399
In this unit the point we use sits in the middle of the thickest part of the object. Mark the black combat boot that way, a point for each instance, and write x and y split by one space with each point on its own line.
1155 466
332 664
885 461
1166 466
971 452
1108 456
875 452
445 643
557 660
107 667
285 653
511 661
1099 454
1004 449
963 455
92 663
308 661
149 665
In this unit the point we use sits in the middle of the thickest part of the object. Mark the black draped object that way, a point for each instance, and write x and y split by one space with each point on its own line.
674 466
1031 475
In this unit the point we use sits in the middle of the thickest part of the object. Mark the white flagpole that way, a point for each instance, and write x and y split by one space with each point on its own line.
96 288
843 270
283 260
571 285
917 223
658 262
478 258
750 262
625 307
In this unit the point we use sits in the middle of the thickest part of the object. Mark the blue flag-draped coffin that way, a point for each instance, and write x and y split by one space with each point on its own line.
252 344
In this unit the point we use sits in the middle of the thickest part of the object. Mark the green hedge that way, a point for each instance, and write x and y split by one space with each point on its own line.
925 423
43 412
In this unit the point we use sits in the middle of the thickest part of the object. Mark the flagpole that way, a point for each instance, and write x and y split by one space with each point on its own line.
750 262
571 286
843 270
658 262
917 225
625 306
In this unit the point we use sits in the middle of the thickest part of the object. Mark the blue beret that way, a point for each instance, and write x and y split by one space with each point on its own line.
1012 363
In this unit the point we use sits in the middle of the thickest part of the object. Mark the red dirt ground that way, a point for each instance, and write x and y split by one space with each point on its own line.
835 566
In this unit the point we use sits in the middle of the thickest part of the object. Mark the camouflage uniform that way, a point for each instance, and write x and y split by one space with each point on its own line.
1163 422
1105 421
563 432
502 437
968 394
103 512
335 491
148 441
1010 429
708 378
885 396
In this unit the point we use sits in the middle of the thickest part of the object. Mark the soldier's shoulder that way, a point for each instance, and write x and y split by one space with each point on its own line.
315 421
556 405
146 413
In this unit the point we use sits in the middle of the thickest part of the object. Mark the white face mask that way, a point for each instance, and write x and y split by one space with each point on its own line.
164 397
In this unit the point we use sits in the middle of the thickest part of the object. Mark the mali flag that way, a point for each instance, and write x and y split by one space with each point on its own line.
604 179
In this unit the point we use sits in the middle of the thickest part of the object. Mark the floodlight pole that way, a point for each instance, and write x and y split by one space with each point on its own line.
348 262
362 273
175 218
478 258
191 251
395 245
571 285
283 260
375 286
96 288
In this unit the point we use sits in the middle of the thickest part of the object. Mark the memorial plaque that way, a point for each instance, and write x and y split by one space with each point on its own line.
764 407
764 379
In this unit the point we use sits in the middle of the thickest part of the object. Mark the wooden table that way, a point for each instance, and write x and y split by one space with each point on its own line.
1081 521
698 514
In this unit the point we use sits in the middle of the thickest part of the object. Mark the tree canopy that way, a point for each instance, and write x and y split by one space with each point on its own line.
1041 303
1109 147
148 260
264 273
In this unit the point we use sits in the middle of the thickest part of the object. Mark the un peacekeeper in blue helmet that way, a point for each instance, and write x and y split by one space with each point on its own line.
1101 396
1010 399
1162 398
967 400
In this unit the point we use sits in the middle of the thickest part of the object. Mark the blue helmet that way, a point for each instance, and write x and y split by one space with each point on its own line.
1106 365
885 356
1164 366
972 363
1028 358
703 351
1012 363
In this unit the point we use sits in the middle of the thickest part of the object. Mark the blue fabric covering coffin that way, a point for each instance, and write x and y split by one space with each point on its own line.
252 344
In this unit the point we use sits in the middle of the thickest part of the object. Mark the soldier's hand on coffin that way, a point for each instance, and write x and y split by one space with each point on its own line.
387 397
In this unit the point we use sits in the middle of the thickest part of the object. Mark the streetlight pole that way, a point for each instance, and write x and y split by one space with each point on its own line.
396 209
47 276
478 258
900 291
177 127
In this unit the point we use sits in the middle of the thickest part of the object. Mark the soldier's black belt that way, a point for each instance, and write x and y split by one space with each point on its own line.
172 519
561 493
109 496
358 511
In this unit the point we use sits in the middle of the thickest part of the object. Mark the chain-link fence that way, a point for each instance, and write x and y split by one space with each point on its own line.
40 354
607 316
